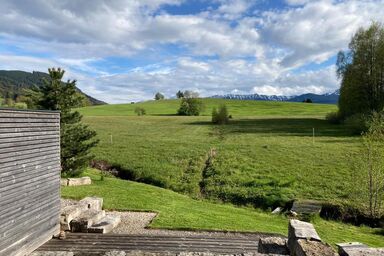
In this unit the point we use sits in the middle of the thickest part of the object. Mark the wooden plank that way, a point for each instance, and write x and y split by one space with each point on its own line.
7 156
27 129
16 209
27 174
28 134
28 120
21 196
30 242
28 125
29 146
29 179
41 221
21 164
19 141
30 111
28 185
31 157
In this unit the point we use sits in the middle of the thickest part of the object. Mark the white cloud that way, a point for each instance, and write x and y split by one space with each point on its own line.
248 53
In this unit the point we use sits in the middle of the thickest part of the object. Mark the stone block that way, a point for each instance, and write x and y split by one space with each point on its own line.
306 207
273 245
105 225
64 182
304 247
95 203
86 219
358 249
300 230
79 181
68 213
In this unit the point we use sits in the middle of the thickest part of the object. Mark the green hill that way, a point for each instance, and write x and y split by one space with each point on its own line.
13 83
181 212
265 156
237 108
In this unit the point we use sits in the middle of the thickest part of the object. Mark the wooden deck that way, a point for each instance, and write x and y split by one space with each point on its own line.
101 243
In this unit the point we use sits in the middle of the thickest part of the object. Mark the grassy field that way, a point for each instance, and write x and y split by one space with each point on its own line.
181 212
236 107
265 157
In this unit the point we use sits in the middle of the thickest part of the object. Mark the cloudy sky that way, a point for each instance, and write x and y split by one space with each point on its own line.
127 50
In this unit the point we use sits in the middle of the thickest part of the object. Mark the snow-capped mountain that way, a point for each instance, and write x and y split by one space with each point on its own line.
330 98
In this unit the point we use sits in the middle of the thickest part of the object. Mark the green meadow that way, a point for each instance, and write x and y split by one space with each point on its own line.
176 211
265 157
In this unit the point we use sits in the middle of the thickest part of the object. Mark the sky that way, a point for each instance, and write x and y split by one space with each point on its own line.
127 50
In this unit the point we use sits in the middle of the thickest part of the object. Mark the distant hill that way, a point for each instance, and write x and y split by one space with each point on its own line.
327 98
13 83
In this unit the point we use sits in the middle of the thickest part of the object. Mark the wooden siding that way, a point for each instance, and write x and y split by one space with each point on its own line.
29 179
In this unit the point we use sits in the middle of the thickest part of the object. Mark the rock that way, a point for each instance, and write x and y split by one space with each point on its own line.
62 235
79 181
68 213
305 247
277 210
94 203
300 230
358 249
273 245
64 182
105 225
86 219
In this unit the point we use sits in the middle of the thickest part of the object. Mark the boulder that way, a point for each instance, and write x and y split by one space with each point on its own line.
300 230
273 245
79 181
105 225
68 213
94 203
86 219
306 247
358 249
52 253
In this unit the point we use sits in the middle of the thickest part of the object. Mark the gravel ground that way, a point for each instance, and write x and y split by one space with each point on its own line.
136 223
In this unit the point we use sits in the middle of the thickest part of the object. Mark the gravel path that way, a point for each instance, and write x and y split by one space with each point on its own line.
136 223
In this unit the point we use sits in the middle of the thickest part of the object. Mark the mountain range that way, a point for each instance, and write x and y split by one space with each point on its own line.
327 98
13 83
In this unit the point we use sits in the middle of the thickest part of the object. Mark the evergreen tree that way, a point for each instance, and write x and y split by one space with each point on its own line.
180 94
361 70
76 139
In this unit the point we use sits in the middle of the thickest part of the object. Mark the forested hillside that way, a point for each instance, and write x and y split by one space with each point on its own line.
14 83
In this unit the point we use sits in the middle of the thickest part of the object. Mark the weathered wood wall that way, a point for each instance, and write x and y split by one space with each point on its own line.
29 179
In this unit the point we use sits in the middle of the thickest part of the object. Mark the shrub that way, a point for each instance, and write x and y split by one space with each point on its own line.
190 107
159 96
20 105
140 111
357 123
334 117
221 116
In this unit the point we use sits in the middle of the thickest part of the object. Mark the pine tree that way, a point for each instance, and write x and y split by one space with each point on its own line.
76 139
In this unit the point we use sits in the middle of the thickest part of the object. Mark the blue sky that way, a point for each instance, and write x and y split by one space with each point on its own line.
122 51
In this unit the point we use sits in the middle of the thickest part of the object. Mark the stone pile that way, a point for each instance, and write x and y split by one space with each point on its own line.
88 216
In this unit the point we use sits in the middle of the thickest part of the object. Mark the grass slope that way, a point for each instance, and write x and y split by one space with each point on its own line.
181 212
265 156
236 107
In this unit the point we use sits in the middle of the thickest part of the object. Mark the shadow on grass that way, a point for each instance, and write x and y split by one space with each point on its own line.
283 126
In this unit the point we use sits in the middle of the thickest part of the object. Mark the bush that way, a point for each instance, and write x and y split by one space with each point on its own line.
140 111
20 105
334 117
190 107
221 116
357 123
